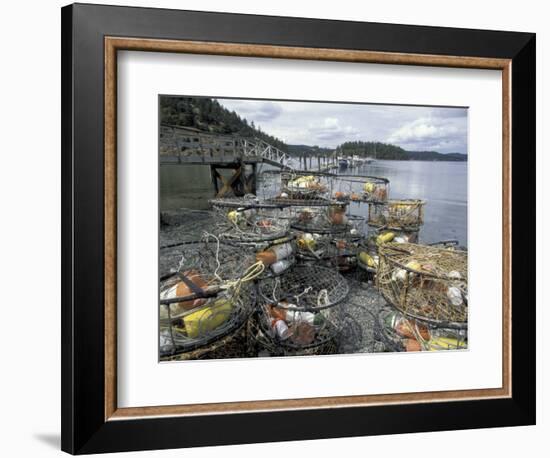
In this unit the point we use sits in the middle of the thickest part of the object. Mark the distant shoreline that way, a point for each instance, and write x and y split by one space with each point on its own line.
403 160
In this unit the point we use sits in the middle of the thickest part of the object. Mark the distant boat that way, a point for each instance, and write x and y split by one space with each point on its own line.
343 163
369 160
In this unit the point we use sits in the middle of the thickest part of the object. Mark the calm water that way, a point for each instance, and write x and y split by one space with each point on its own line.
442 184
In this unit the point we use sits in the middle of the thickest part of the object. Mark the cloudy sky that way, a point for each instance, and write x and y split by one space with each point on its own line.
329 124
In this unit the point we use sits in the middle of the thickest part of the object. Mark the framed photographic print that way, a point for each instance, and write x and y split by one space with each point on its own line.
284 228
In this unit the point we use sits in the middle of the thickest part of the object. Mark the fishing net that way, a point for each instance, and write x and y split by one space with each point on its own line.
397 214
425 283
359 188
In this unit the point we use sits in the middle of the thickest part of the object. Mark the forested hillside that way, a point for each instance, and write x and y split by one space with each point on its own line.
380 150
208 115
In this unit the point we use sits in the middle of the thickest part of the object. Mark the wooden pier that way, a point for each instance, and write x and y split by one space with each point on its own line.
187 146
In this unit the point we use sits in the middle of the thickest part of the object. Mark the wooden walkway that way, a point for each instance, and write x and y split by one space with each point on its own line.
187 146
180 145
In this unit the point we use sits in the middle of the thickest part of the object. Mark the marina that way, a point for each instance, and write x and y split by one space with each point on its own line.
262 254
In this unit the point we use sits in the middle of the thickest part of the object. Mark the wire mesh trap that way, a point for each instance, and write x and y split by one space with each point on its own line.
277 256
296 187
360 188
322 220
305 288
300 313
249 201
251 225
397 214
451 244
214 261
191 323
183 225
399 333
234 344
283 332
367 257
425 283
368 249
337 253
284 199
361 307
298 184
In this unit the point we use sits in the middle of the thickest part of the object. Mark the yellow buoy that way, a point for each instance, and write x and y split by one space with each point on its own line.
369 187
208 318
385 238
366 258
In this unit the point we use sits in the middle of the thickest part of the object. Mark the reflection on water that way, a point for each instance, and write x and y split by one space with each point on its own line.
442 184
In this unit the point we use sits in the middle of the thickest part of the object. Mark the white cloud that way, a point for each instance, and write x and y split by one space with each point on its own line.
330 124
255 110
433 133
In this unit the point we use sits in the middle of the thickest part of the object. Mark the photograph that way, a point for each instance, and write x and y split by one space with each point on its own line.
310 228
283 226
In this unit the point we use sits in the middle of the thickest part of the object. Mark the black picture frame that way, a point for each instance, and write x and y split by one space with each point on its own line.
84 428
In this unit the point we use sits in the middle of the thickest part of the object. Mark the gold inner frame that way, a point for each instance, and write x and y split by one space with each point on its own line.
114 44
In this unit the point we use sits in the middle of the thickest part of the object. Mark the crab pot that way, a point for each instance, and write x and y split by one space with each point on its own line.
211 261
450 244
197 324
330 219
305 185
378 236
398 214
399 333
300 311
249 226
425 283
367 189
336 253
356 226
367 257
300 338
278 256
224 203
235 344
258 229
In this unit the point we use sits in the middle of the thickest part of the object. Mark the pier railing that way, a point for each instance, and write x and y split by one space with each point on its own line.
187 145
